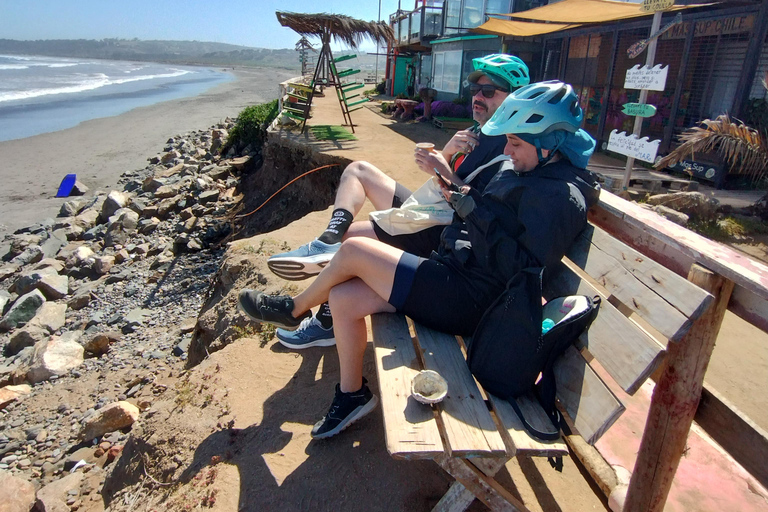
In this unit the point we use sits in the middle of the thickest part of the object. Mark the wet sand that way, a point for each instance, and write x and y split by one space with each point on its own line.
100 150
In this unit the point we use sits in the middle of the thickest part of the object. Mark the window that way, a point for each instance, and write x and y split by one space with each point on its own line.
447 71
497 7
472 15
452 14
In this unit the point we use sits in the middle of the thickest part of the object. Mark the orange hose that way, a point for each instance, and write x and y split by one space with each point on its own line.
281 189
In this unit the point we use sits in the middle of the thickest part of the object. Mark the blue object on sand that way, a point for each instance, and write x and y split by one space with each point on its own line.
67 184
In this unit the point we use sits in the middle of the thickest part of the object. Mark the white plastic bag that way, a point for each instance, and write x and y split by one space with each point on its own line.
425 208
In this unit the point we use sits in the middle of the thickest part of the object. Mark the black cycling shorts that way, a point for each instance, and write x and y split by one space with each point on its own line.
432 294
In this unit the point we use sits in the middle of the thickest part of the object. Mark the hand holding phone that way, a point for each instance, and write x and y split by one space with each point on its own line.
445 183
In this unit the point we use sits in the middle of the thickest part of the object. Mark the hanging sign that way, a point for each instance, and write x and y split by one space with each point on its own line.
656 5
631 145
639 109
653 79
637 48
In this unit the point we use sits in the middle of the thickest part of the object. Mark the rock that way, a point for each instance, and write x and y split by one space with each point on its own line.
27 336
5 298
22 311
28 280
72 207
10 394
79 189
694 204
122 256
54 286
208 196
51 317
79 300
53 497
168 191
135 318
147 226
55 356
87 219
103 264
170 157
16 494
31 254
152 183
7 271
99 344
114 201
83 255
166 207
51 247
113 417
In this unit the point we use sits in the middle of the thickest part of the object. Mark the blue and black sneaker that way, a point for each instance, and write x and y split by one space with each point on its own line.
310 333
304 262
271 309
345 410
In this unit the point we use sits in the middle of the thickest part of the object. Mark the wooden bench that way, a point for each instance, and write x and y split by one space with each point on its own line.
472 435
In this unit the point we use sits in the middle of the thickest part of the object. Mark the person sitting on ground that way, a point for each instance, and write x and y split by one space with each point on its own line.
493 78
529 214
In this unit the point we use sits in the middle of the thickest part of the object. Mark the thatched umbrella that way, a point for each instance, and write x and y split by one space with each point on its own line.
341 28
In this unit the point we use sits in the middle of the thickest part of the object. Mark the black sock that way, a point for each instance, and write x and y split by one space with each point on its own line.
339 224
324 316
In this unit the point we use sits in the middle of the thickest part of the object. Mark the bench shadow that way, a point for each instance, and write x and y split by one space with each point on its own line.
351 471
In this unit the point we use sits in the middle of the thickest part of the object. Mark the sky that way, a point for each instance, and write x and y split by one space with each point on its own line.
243 22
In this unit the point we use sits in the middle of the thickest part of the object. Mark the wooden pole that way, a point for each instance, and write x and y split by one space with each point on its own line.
675 400
649 61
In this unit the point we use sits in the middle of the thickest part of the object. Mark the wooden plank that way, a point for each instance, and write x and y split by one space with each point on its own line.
458 498
741 437
661 297
410 427
740 269
469 427
521 442
485 488
627 352
592 407
675 400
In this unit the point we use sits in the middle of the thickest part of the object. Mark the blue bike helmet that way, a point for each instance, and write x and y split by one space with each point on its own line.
547 115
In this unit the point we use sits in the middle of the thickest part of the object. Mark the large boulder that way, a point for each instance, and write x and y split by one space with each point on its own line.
113 417
23 310
51 317
55 356
53 497
114 201
8 395
694 204
16 494
27 336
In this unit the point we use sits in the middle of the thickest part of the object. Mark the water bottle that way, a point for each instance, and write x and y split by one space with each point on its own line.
546 325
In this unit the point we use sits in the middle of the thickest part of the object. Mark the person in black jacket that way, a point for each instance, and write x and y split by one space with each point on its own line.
527 216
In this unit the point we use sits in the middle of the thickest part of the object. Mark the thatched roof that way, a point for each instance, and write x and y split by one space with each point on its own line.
342 28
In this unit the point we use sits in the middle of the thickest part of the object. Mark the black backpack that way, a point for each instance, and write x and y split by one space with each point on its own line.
508 350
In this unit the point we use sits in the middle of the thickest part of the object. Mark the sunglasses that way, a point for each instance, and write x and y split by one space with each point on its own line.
488 89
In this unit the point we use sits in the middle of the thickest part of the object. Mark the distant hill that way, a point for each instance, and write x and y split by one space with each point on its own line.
179 52
176 52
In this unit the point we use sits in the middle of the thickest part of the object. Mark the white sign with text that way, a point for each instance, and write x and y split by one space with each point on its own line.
653 79
631 145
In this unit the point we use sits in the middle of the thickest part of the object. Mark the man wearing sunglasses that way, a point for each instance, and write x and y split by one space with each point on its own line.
468 153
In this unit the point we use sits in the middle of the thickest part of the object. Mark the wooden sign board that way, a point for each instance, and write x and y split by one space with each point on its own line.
653 79
631 145
656 5
639 109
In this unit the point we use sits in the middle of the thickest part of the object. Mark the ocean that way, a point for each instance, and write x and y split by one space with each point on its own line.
47 94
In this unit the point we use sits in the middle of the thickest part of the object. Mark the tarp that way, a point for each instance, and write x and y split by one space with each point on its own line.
587 11
564 15
521 28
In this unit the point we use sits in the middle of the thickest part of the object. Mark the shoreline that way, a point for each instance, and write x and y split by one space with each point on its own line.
100 150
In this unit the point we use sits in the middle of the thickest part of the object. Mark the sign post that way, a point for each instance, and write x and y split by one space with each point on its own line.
647 5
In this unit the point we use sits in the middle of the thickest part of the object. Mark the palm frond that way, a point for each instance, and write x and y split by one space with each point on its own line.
342 28
742 147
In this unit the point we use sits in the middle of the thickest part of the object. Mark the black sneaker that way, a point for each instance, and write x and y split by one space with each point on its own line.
271 309
345 410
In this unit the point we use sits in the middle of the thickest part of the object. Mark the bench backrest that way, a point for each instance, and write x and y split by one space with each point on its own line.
644 306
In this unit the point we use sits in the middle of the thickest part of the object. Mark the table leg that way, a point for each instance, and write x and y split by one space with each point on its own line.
477 481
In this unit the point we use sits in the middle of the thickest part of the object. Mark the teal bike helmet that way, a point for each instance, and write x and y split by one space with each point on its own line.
504 70
547 115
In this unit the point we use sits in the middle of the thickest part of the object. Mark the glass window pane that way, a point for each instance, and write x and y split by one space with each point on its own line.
473 15
497 7
452 13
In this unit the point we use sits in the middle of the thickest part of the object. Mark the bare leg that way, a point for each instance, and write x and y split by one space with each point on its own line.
362 228
372 261
360 180
355 301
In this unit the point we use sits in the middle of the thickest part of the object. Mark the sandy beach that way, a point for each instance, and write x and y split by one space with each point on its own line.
100 150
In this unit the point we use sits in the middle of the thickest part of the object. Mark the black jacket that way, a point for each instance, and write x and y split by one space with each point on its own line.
521 220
